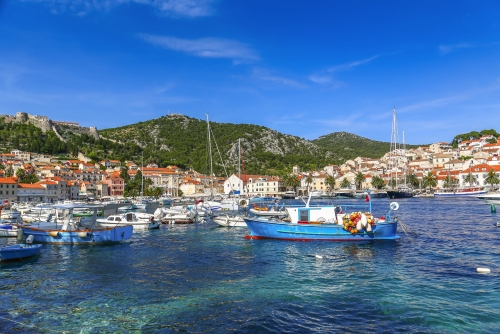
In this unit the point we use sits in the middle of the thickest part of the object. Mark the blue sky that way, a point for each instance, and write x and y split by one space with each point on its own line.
305 68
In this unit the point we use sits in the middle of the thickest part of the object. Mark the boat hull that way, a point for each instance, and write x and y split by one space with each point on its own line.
267 212
7 230
262 229
96 236
19 251
459 193
399 194
137 226
227 221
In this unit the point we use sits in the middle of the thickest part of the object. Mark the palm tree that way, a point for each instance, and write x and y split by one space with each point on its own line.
345 183
413 180
377 182
291 181
20 173
9 172
309 180
359 179
430 180
492 178
330 182
470 179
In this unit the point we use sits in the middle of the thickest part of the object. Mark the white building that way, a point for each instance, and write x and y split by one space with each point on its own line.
27 192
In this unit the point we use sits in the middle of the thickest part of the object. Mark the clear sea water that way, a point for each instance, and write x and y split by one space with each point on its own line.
204 278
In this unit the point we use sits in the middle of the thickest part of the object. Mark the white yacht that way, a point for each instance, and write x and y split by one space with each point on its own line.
132 219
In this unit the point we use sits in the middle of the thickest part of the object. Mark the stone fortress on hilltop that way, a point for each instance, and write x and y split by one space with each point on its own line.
45 124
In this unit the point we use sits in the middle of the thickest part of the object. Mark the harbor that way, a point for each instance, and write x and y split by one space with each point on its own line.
202 277
202 166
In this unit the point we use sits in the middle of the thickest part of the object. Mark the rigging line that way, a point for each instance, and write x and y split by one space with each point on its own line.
220 156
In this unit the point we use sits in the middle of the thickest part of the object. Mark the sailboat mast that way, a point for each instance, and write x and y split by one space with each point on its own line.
239 165
142 174
404 157
210 155
394 147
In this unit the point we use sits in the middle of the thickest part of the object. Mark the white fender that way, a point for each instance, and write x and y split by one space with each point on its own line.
363 220
359 225
368 228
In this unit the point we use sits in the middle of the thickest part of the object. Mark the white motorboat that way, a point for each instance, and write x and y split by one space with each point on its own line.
7 229
316 194
9 214
492 198
290 194
470 191
231 204
144 222
230 221
177 214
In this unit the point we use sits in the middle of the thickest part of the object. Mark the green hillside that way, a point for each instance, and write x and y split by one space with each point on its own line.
183 141
345 146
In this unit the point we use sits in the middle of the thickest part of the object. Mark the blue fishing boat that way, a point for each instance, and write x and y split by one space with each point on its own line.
325 222
66 228
20 251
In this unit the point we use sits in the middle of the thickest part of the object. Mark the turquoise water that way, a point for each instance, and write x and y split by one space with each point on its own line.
203 278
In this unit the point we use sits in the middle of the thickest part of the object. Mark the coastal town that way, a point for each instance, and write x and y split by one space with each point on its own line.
82 179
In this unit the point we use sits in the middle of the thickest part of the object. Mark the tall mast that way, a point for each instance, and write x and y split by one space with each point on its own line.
142 173
239 164
210 154
404 157
393 155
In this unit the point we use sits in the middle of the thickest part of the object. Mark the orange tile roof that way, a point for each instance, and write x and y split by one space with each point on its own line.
7 180
30 186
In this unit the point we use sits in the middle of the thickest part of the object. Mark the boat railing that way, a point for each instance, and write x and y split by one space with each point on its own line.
364 207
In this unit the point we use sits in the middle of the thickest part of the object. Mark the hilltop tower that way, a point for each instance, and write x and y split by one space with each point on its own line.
21 117
93 132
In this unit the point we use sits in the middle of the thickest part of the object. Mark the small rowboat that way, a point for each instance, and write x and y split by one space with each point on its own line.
20 251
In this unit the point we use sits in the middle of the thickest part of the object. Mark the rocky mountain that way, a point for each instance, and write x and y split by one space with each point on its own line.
183 141
346 146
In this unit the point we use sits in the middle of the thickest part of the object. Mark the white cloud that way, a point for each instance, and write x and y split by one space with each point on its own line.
320 79
263 74
348 66
205 47
324 77
435 103
186 8
445 49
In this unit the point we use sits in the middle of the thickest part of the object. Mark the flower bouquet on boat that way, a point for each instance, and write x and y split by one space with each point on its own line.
75 230
325 222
